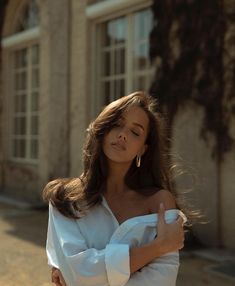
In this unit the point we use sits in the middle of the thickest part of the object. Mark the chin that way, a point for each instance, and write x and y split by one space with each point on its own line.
118 160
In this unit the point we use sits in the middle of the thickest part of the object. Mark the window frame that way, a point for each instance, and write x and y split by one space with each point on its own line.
26 39
97 18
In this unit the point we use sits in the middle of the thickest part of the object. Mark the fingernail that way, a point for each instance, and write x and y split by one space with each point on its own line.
161 206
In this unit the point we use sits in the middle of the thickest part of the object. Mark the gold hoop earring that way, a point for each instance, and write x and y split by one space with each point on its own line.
138 161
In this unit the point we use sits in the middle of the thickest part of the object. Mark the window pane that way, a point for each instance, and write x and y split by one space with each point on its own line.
34 149
21 58
122 60
34 125
143 22
16 103
119 88
22 125
106 93
35 55
109 30
19 148
14 148
19 126
35 78
141 56
140 83
22 148
122 87
120 30
15 127
115 32
119 63
20 81
107 61
34 101
22 105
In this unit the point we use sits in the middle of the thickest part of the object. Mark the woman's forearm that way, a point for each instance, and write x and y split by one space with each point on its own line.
170 238
143 255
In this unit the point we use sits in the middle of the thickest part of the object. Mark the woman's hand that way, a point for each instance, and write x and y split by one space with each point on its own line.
57 277
170 237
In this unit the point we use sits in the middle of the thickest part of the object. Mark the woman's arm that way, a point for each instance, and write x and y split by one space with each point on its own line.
80 265
170 238
139 256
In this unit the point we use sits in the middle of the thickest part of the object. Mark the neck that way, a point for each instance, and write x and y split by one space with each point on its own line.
115 182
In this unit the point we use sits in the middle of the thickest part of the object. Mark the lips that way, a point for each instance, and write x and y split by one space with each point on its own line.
118 146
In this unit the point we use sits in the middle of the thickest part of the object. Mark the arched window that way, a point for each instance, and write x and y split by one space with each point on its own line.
28 18
23 70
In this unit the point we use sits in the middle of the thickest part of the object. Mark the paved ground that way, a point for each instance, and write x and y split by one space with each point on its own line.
23 260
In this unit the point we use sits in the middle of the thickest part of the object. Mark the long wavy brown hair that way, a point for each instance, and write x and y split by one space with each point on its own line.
74 196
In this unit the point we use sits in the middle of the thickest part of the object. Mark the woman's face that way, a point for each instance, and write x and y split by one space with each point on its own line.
127 139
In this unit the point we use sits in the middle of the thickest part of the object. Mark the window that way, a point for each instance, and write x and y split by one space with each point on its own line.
28 18
124 62
23 70
25 102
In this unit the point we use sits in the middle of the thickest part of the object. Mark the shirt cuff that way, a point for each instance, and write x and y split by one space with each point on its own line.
117 261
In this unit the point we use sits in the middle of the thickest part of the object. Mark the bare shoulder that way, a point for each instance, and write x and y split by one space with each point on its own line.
162 196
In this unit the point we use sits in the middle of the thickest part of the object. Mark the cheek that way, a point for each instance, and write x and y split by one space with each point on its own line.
106 140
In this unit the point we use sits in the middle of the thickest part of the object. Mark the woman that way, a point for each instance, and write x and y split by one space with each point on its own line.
103 227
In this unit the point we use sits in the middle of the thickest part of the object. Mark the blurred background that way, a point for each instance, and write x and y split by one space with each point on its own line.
62 61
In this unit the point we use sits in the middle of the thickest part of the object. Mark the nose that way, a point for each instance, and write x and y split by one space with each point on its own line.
122 135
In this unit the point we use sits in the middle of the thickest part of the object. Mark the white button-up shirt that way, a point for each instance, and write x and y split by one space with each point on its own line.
94 250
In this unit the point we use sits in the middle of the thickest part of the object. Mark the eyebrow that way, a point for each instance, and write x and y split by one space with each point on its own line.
139 125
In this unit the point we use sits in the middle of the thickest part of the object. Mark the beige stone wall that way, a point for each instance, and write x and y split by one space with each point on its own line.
79 84
66 108
193 155
26 181
228 199
54 92
18 180
228 165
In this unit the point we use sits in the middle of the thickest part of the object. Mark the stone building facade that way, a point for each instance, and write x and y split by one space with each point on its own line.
62 61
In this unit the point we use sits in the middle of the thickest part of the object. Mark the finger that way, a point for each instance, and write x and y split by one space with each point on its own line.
161 213
180 221
55 277
52 278
62 280
57 282
53 274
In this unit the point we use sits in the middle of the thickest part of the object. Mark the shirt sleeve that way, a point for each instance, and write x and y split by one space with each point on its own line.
67 250
161 271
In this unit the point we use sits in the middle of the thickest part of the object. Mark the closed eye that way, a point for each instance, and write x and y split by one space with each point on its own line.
135 133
